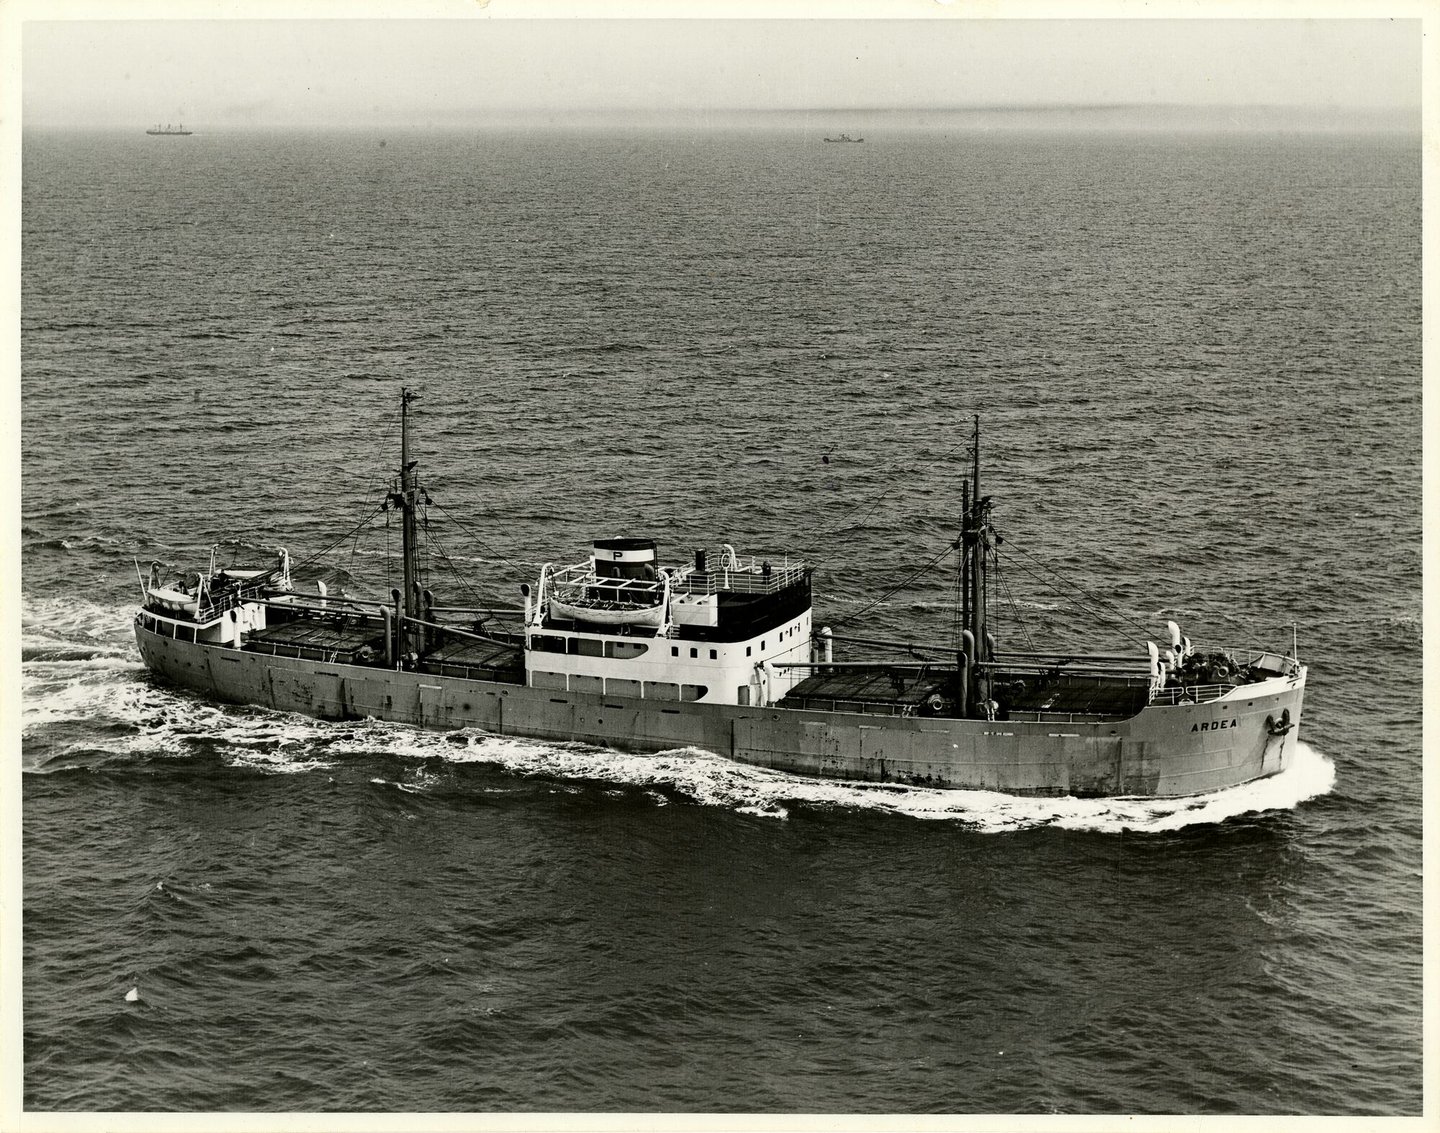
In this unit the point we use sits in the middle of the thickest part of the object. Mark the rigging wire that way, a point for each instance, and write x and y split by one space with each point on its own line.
1095 598
1098 614
949 549
389 557
434 544
354 531
874 502
520 570
1014 605
355 549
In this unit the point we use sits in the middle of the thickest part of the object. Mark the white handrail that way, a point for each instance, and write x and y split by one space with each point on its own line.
539 614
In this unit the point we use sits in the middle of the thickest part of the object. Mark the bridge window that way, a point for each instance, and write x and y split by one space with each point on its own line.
546 643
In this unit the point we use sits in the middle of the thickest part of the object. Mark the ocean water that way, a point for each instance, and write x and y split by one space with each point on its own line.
1197 363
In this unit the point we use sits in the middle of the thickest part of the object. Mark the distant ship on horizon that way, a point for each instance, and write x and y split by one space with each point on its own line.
169 131
844 138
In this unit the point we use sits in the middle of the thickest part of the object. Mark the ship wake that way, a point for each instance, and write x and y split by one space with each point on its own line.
712 780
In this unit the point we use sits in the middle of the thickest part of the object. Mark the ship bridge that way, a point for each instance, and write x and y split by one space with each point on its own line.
622 589
708 630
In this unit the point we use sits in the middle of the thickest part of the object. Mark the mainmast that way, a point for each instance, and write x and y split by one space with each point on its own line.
975 550
979 540
407 500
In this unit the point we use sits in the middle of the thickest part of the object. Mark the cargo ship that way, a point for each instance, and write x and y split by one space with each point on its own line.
722 653
170 132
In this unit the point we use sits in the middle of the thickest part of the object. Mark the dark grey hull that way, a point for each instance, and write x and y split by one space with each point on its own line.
1161 752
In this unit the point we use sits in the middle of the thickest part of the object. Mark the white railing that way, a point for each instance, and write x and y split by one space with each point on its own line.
1265 658
576 580
1190 694
737 574
213 608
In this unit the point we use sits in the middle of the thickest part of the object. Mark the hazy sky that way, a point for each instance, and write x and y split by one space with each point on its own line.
388 72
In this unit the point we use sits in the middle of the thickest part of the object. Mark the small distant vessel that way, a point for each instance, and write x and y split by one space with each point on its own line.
723 655
844 138
168 131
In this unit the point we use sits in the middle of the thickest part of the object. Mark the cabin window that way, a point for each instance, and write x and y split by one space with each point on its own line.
747 650
712 654
625 649
587 647
662 690
693 692
541 679
546 643
674 650
185 633
617 686
762 645
694 652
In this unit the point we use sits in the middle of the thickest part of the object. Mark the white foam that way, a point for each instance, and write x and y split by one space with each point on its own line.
84 690
280 763
711 780
75 620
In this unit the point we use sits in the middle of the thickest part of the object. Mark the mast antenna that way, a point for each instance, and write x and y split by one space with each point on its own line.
406 498
979 544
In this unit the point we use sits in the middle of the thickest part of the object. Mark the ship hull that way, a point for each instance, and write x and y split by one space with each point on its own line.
1164 751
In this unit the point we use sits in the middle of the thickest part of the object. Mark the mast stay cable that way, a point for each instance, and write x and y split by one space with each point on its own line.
1097 613
949 549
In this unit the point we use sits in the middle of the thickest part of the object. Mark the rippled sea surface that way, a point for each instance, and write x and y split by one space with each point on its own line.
1197 363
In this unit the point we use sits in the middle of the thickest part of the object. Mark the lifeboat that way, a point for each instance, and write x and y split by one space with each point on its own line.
609 613
166 601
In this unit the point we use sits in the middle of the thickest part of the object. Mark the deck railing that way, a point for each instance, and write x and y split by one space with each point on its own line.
743 575
747 576
1190 694
214 607
582 576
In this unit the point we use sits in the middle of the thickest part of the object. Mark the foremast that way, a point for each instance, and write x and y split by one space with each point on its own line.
977 542
406 499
